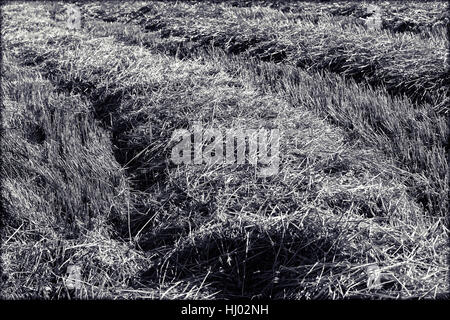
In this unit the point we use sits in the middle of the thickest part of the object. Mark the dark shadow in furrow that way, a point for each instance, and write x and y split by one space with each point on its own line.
262 266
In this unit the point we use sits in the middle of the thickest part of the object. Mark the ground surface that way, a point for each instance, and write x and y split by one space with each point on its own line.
87 176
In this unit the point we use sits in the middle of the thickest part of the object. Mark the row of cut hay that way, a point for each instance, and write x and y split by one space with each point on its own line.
416 17
426 19
414 137
53 141
302 233
404 64
63 192
412 16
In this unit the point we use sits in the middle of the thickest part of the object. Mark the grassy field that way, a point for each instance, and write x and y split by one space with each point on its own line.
88 118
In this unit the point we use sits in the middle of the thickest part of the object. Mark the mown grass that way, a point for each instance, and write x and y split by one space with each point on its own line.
418 17
337 204
402 63
415 137
62 189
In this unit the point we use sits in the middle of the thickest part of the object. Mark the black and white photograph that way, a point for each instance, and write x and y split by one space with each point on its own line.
253 151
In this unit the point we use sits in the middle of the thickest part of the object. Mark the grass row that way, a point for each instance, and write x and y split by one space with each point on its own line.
62 190
413 16
307 232
402 63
